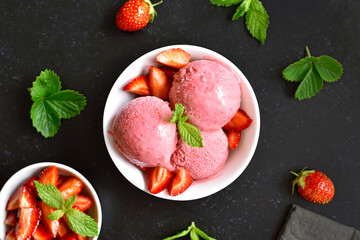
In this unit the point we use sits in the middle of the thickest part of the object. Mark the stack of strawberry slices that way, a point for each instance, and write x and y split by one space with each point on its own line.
175 150
27 214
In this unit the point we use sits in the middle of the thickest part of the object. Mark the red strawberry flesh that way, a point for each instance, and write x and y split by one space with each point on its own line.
233 139
51 226
50 176
11 218
158 179
29 219
72 186
239 122
83 202
139 85
175 57
41 233
159 83
180 183
10 235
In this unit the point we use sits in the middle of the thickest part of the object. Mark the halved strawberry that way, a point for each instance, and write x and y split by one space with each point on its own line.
180 183
169 71
14 201
83 202
239 122
63 228
50 176
69 236
79 237
10 235
11 218
41 233
29 219
158 179
30 183
61 180
139 85
51 226
27 198
233 139
159 83
72 186
175 57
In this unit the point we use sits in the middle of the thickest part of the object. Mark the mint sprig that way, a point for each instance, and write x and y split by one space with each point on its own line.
311 72
195 234
51 104
79 222
256 17
189 133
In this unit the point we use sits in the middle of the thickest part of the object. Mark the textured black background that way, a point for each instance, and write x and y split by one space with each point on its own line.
80 42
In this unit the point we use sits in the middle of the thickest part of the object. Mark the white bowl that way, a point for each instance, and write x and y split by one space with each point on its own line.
35 170
237 160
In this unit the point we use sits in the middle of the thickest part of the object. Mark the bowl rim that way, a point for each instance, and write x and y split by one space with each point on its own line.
43 165
245 82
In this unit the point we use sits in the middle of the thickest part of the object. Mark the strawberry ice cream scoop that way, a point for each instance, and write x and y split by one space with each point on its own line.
209 92
203 162
144 134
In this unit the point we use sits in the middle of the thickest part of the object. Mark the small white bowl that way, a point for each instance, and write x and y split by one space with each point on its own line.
237 160
35 170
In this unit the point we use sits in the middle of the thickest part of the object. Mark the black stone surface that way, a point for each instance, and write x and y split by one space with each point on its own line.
80 42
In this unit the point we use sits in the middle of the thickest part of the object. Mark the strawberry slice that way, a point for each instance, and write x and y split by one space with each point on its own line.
239 122
63 228
10 235
79 237
69 236
233 139
61 179
169 72
159 83
158 179
181 182
27 198
51 226
83 202
139 85
30 183
11 218
72 186
14 201
41 233
175 57
28 222
50 176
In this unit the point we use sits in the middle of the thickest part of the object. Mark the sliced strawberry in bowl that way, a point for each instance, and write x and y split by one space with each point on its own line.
83 202
51 226
10 235
181 182
49 176
169 71
158 179
62 179
11 218
29 219
139 85
63 228
72 186
41 233
70 236
239 122
14 201
27 198
30 183
233 139
174 57
159 83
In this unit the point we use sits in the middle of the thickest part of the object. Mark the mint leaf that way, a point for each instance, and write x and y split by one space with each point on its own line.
311 85
179 111
81 223
225 3
298 70
179 234
190 134
55 215
45 84
202 234
67 103
50 195
241 10
69 203
45 119
193 235
257 20
329 69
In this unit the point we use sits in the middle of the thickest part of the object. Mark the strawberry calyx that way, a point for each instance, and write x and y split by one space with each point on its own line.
300 178
152 11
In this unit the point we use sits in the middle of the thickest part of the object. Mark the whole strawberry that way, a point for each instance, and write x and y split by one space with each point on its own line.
135 15
314 186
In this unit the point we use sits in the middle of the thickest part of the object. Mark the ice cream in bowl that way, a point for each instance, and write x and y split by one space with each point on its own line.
181 122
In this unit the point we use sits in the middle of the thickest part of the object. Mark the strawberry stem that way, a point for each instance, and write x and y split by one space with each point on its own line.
158 3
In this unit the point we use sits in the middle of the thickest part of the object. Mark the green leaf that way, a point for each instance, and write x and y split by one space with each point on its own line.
311 85
67 103
179 234
225 3
298 70
202 234
45 119
178 112
329 69
193 235
55 215
257 20
81 223
50 195
190 134
69 203
44 85
241 9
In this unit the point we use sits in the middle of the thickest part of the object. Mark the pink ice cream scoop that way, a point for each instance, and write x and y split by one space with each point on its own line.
144 134
203 162
209 92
